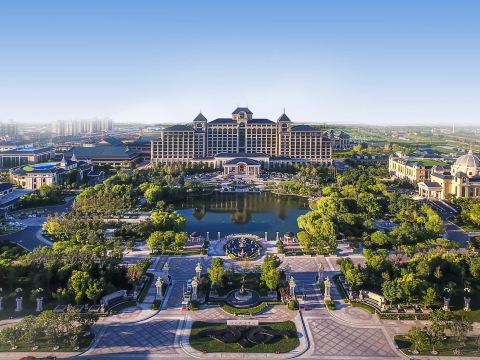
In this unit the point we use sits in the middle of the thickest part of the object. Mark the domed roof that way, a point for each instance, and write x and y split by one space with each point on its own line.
469 160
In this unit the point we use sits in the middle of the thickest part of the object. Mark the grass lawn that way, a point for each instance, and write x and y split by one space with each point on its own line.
280 345
252 281
466 226
84 343
445 349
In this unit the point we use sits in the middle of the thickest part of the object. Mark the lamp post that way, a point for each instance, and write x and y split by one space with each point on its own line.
446 299
466 299
320 272
166 268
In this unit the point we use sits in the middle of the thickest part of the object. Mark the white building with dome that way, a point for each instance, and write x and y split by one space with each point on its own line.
462 179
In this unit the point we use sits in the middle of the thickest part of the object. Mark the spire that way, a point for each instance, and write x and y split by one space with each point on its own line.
200 117
63 161
74 158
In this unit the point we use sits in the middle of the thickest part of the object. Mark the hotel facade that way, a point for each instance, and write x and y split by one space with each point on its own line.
242 144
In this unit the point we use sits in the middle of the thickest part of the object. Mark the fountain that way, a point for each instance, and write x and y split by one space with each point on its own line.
243 246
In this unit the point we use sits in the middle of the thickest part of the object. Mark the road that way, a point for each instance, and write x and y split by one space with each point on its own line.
31 236
453 232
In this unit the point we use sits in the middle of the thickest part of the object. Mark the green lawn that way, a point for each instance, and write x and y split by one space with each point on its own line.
44 346
466 226
445 349
280 345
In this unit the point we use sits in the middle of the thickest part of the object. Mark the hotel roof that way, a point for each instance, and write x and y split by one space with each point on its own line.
179 128
240 109
103 152
305 128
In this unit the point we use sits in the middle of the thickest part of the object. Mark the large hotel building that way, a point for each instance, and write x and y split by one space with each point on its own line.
242 144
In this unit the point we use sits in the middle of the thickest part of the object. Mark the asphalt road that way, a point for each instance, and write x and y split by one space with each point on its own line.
453 232
31 237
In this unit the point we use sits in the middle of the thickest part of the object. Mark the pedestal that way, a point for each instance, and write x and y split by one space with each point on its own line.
39 304
19 306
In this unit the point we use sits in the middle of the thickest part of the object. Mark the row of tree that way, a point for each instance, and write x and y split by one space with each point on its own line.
49 328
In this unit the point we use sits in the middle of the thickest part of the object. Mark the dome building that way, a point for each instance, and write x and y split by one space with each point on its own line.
461 180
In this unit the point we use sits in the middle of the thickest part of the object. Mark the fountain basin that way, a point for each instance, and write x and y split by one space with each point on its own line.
248 298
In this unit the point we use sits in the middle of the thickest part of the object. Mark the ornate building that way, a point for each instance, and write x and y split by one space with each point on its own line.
460 180
402 167
221 141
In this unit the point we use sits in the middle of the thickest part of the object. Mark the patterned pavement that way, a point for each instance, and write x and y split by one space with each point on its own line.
156 336
334 339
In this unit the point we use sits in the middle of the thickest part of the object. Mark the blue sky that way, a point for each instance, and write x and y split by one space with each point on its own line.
359 61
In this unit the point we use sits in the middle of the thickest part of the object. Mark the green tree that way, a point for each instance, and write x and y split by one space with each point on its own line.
418 337
95 290
216 272
430 296
460 326
78 284
270 275
32 329
11 335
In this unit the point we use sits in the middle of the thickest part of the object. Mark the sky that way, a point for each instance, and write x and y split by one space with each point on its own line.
398 62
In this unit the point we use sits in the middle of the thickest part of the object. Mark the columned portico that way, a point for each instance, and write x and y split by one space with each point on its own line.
242 167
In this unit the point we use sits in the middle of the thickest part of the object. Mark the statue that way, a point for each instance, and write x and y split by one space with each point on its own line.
320 272
158 285
194 289
198 270
292 285
328 285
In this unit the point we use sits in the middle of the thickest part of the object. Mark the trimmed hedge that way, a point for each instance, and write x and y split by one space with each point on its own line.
340 288
145 287
251 310
365 307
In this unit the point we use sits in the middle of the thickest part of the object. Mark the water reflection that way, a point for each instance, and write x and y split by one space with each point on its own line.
252 213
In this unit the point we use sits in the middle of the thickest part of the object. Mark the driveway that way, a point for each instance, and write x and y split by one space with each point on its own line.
31 236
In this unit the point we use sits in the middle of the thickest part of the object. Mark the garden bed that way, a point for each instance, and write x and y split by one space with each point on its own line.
252 282
247 311
445 348
209 345
43 346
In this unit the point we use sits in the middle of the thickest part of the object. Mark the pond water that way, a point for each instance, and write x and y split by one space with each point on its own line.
252 213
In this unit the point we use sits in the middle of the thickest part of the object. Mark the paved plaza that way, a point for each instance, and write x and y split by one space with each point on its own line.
156 336
332 339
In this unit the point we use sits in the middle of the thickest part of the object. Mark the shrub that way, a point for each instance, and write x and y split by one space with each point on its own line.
193 305
293 304
330 305
156 304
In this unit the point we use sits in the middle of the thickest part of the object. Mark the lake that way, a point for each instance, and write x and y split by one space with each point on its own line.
252 213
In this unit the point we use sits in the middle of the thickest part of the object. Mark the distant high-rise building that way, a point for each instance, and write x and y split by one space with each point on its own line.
8 129
78 127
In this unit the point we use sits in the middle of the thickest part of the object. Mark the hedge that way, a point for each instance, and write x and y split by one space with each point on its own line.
251 310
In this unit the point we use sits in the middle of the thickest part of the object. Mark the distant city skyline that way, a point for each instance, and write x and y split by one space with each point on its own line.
336 62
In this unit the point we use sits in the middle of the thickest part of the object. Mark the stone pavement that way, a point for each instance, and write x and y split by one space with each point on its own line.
336 340
272 313
156 336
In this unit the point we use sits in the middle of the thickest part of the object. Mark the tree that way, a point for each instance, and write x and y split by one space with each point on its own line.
53 326
78 284
418 337
318 231
389 290
379 238
270 275
95 290
10 335
460 326
474 214
216 272
156 241
430 296
32 329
